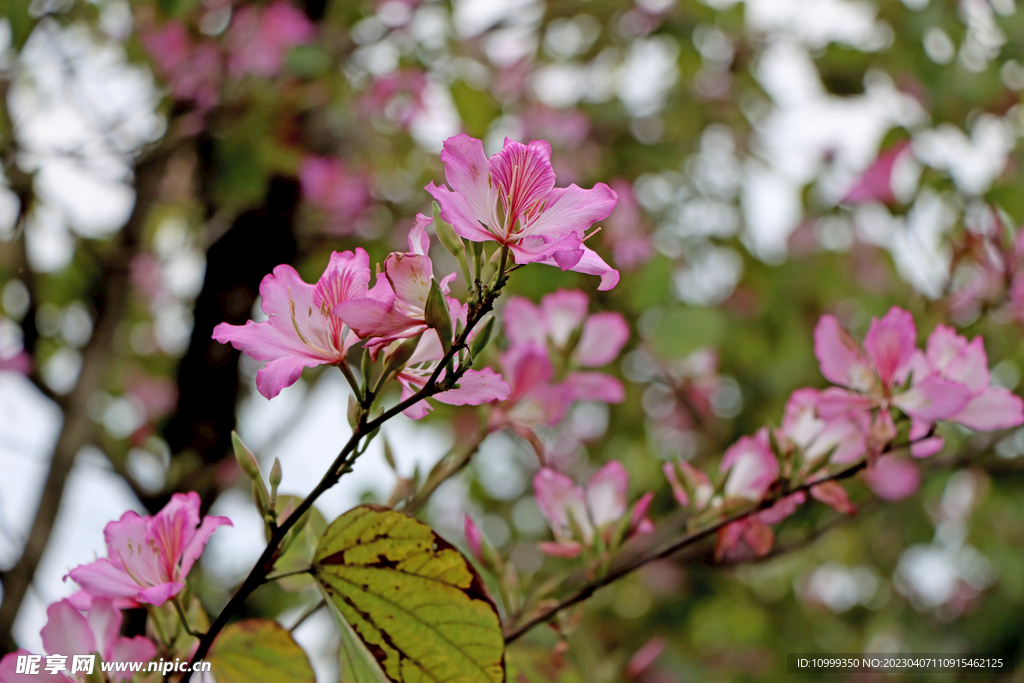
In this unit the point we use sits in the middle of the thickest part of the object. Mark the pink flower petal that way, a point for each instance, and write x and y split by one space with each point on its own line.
893 478
475 388
751 465
833 494
638 522
524 323
101 578
606 494
419 240
596 386
876 183
558 497
563 313
158 595
933 398
890 344
645 657
924 447
105 624
195 547
604 335
572 210
467 171
782 508
136 649
67 632
9 668
524 177
678 490
994 408
839 357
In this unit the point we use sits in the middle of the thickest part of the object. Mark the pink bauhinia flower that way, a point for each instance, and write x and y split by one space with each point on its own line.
842 439
535 400
395 308
578 515
752 467
68 632
560 320
302 330
259 38
511 199
875 377
953 358
875 185
148 558
331 187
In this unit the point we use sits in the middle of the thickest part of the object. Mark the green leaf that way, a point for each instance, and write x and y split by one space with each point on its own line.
259 650
356 663
437 316
418 605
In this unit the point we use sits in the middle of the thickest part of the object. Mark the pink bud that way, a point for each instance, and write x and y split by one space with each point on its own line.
474 539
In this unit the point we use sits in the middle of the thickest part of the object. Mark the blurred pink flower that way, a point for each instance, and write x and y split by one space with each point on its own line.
397 96
302 331
148 558
561 319
954 359
15 360
645 657
193 70
535 401
68 632
752 467
875 185
511 199
259 38
576 515
328 185
874 377
624 230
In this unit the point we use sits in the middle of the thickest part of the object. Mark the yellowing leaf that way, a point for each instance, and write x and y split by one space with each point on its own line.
414 600
258 650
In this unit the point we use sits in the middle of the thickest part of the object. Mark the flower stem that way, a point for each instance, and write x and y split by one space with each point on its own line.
184 619
347 371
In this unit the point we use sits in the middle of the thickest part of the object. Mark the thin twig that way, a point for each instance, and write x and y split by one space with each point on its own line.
307 614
